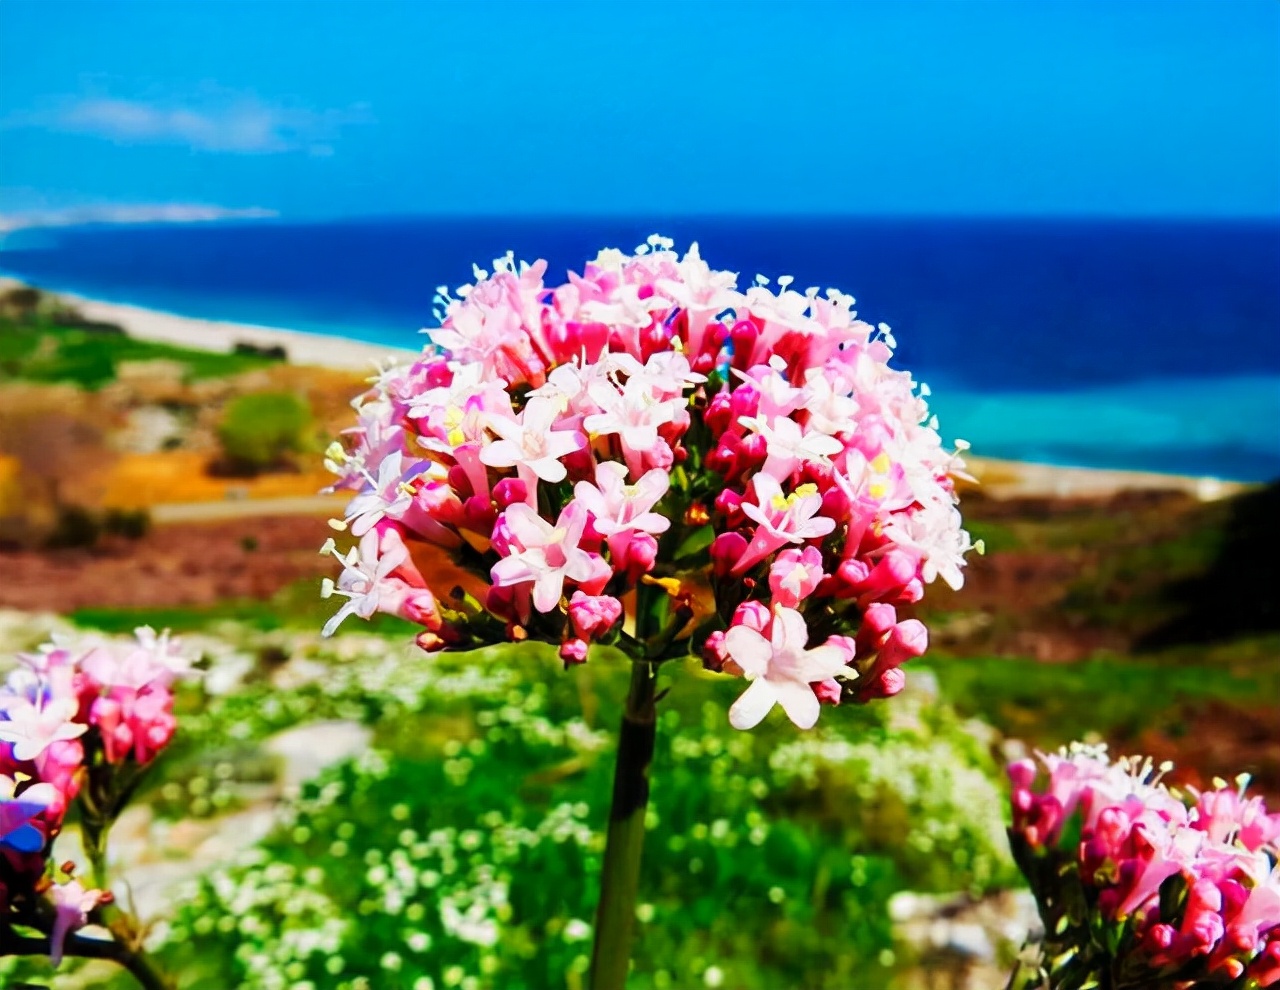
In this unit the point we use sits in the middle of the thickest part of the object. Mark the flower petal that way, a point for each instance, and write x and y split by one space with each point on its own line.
751 650
798 701
755 703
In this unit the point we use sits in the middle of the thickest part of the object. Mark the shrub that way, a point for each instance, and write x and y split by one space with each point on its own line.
260 431
132 524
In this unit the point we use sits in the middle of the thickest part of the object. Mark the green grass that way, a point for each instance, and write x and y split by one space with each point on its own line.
771 854
296 606
91 359
1051 704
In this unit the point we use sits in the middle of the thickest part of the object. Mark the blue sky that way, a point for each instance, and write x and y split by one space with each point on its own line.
344 108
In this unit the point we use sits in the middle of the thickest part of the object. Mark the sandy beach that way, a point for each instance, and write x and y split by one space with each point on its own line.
312 349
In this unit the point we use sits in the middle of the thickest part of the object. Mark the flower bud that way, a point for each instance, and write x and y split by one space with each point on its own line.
573 651
509 491
725 551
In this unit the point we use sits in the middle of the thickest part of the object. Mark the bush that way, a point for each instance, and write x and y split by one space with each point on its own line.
132 524
260 431
75 528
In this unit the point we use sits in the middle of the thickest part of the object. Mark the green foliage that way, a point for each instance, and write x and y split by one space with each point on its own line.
90 358
464 850
296 606
260 430
1052 704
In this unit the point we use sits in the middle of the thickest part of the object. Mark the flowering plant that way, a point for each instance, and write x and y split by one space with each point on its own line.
79 722
648 458
1138 887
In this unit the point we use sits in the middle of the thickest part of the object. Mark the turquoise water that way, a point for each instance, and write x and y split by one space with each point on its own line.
1145 345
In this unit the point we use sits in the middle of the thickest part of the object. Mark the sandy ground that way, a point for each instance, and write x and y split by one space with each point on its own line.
1017 479
313 349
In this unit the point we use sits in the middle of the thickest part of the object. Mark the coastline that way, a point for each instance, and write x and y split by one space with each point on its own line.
997 478
302 348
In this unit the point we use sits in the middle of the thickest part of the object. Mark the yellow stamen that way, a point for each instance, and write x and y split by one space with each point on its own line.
881 464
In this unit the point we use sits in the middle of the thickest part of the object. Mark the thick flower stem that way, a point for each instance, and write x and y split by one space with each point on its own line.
620 876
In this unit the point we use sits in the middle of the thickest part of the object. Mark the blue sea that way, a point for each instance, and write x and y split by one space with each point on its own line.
1150 345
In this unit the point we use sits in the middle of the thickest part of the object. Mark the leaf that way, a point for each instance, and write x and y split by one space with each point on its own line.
696 542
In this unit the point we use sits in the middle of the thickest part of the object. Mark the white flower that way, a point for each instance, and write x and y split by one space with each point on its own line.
781 669
530 443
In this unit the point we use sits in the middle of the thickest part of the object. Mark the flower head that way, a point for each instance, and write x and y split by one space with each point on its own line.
649 428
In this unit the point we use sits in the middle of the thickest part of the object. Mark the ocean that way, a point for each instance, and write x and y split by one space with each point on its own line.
1150 345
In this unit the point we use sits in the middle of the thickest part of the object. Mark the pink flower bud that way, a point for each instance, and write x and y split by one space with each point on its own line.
743 337
1022 773
726 549
479 514
729 503
885 685
753 615
642 553
719 413
509 491
714 651
795 575
592 616
573 651
754 448
744 401
835 504
459 481
828 691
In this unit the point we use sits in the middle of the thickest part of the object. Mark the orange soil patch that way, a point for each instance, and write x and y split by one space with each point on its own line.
136 481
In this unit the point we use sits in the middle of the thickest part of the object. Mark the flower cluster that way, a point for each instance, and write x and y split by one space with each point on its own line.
77 722
649 457
1134 882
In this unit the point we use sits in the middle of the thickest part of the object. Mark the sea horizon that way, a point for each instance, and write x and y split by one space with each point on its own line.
1145 344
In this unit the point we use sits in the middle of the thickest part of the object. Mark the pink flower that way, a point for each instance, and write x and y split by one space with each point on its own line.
386 496
137 723
1226 814
781 669
32 727
377 576
618 509
72 904
795 575
634 415
781 519
154 660
531 445
790 446
547 555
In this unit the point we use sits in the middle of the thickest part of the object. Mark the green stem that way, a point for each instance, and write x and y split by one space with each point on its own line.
620 875
124 928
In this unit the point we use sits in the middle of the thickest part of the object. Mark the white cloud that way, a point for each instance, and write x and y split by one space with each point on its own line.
214 120
128 213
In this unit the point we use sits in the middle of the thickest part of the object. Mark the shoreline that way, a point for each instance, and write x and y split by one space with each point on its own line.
998 478
303 348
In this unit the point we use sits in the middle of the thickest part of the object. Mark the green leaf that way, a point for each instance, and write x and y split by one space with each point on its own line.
696 542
